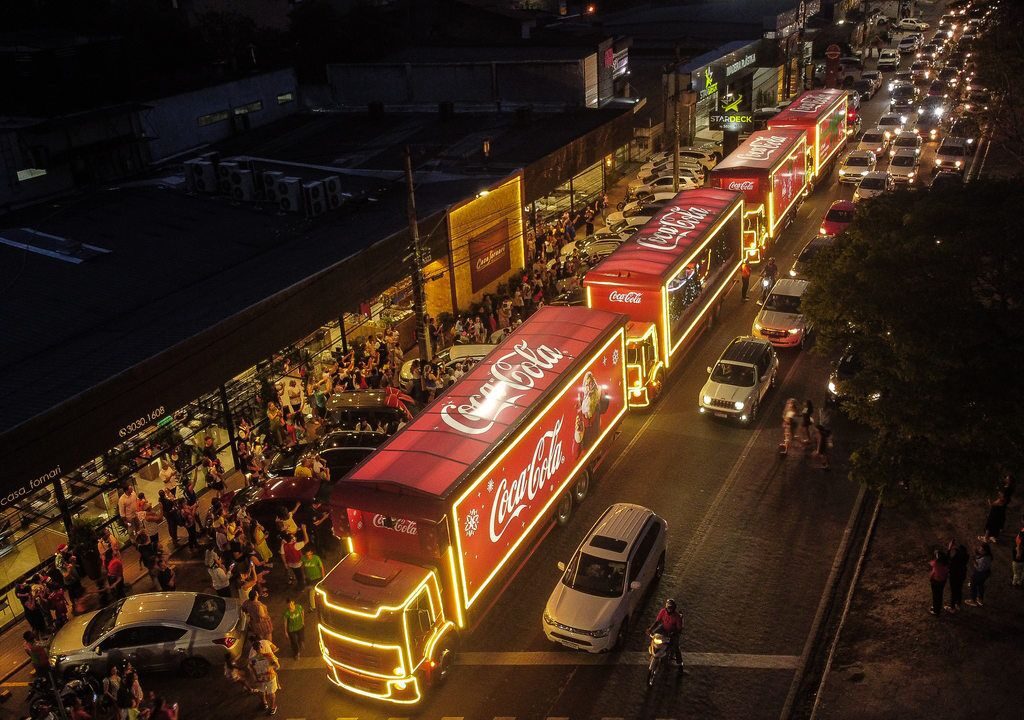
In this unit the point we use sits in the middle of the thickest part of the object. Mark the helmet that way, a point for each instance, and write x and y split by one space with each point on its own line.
670 604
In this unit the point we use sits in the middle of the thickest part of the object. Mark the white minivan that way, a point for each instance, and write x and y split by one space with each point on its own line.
602 587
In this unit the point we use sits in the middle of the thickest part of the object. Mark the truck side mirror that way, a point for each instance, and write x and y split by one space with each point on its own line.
561 566
634 586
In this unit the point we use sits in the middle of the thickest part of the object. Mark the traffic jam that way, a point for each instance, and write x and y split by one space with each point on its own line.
440 517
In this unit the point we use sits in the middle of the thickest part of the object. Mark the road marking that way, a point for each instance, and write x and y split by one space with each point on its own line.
14 684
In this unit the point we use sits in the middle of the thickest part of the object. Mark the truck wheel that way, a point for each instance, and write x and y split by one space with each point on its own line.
444 667
563 511
582 487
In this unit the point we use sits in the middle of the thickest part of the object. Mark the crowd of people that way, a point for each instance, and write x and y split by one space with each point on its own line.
954 564
800 424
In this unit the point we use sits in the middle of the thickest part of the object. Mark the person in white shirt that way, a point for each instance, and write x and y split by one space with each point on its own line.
127 505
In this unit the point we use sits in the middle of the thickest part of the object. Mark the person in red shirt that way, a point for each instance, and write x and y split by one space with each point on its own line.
670 622
938 575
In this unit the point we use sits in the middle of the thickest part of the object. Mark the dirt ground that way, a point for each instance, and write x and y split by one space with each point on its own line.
895 660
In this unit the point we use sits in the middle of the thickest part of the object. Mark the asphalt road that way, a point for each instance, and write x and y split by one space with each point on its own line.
752 540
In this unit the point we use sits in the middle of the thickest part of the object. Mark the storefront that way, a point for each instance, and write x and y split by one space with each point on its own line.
723 83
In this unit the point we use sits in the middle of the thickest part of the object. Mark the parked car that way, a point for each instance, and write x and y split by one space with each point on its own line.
781 321
874 184
904 166
638 208
686 182
738 382
912 25
186 632
664 167
857 164
603 586
346 409
628 226
808 253
839 215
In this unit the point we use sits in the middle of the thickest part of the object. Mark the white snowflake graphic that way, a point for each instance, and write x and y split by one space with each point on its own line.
490 486
615 357
472 523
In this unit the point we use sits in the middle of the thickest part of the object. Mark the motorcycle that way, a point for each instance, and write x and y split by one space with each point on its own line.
79 685
658 650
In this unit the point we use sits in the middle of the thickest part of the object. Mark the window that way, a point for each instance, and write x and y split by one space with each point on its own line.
213 118
762 364
595 575
254 106
207 612
643 550
285 98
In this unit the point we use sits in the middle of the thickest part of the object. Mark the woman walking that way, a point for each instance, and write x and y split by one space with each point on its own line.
981 571
295 624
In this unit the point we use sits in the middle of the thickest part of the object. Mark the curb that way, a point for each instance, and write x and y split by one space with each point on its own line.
846 606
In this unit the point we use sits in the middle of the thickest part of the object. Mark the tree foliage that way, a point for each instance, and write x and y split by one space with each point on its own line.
927 289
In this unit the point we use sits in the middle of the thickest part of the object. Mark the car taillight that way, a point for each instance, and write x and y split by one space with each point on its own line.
227 641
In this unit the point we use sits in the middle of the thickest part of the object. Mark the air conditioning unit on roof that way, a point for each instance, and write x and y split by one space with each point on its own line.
289 194
224 173
315 198
243 187
200 176
332 189
270 179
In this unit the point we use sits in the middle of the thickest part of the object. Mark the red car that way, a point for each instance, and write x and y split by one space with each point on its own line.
839 215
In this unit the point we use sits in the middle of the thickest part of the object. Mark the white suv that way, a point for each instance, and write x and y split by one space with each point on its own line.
602 586
781 322
740 379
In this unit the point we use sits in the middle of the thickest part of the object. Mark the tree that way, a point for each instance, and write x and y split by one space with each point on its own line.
1001 69
926 289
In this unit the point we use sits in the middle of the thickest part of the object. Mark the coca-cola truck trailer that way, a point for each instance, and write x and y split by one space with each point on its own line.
438 518
823 114
770 169
670 278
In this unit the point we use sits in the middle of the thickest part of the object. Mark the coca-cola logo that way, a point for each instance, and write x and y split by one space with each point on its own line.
741 185
672 226
513 496
811 102
518 370
762 148
632 297
398 525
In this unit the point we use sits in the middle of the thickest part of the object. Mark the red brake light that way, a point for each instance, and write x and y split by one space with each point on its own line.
227 641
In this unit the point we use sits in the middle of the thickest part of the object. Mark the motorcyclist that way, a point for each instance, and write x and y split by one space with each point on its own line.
768 276
670 622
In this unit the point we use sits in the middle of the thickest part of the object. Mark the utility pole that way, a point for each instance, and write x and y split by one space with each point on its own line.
678 128
415 257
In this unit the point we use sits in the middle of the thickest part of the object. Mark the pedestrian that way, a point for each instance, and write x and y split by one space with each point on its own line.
78 711
190 522
588 219
313 571
996 518
789 418
127 506
170 513
824 428
295 625
980 572
259 616
165 575
162 710
957 574
36 652
260 544
1017 560
115 574
938 575
219 577
291 554
239 675
744 279
807 420
111 685
264 668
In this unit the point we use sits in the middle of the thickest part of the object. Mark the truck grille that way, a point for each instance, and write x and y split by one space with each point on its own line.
369 659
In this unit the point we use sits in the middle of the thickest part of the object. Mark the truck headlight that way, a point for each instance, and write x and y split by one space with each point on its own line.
399 671
738 405
757 325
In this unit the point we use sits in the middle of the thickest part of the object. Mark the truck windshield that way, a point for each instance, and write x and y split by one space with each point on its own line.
385 628
595 575
736 375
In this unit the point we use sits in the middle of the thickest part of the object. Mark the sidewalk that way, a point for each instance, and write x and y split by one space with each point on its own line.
896 660
12 655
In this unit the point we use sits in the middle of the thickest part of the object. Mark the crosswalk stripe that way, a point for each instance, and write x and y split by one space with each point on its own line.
556 658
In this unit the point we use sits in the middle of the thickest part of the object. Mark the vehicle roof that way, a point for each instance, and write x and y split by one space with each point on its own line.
841 205
952 140
351 438
790 286
431 458
621 521
860 153
651 255
809 107
762 150
745 349
370 582
876 175
905 152
162 606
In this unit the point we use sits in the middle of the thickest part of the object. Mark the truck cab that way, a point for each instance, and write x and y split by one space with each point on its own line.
382 628
645 370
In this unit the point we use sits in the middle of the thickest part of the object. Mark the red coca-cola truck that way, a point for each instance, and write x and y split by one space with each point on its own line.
439 517
770 168
670 278
823 114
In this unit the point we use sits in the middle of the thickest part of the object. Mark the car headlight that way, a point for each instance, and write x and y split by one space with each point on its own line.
856 196
842 172
957 163
548 620
603 632
738 405
794 331
707 399
863 173
938 162
911 175
831 387
792 272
